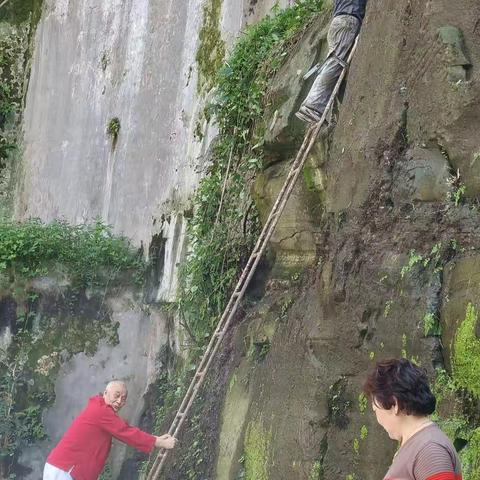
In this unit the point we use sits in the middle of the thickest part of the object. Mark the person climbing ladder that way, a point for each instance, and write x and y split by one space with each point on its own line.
347 19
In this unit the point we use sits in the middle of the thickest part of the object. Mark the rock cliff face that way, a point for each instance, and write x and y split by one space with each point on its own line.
132 61
386 223
376 255
113 123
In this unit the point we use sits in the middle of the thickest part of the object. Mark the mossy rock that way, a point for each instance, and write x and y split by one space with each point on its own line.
211 49
461 289
257 451
20 11
294 239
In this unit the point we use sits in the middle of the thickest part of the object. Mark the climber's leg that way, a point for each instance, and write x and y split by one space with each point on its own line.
341 36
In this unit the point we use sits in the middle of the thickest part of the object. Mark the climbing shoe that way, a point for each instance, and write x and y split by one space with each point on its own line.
308 115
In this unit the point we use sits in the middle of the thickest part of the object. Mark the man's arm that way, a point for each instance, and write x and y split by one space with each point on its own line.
133 436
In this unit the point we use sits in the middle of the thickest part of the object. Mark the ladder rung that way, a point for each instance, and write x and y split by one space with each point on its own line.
219 334
200 374
236 294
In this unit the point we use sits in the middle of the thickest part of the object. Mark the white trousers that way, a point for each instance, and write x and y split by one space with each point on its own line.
53 473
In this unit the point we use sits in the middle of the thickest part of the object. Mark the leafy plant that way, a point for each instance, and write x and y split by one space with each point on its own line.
433 258
113 128
413 259
316 473
362 403
88 254
225 222
404 346
431 325
14 64
18 427
458 189
459 194
388 307
356 446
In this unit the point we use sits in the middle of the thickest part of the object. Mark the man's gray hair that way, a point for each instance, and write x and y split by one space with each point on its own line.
114 383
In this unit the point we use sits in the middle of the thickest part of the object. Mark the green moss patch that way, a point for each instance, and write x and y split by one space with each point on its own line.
257 451
16 12
456 418
211 50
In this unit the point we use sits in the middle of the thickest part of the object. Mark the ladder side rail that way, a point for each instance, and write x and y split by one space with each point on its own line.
164 455
242 284
214 338
175 426
247 274
250 269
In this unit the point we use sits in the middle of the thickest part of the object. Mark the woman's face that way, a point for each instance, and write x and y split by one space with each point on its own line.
388 419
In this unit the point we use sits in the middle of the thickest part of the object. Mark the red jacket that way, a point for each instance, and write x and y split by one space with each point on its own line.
84 448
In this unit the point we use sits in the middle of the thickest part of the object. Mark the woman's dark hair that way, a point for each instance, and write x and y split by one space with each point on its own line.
403 382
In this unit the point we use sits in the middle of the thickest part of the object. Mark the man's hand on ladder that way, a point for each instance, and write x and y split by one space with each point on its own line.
165 441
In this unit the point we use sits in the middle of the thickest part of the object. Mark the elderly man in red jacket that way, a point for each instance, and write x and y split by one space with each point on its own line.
83 450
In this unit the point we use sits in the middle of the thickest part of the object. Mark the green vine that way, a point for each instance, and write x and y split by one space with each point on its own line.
225 222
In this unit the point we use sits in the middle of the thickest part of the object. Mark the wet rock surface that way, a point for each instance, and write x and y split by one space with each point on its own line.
394 245
376 238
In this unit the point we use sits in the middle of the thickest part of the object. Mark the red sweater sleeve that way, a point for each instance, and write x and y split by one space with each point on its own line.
122 431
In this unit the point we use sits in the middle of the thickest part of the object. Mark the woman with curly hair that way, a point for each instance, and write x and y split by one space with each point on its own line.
402 401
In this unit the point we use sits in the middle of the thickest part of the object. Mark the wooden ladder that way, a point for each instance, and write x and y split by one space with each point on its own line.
248 272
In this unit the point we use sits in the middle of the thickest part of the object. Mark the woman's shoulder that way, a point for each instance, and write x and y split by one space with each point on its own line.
435 454
433 435
429 442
